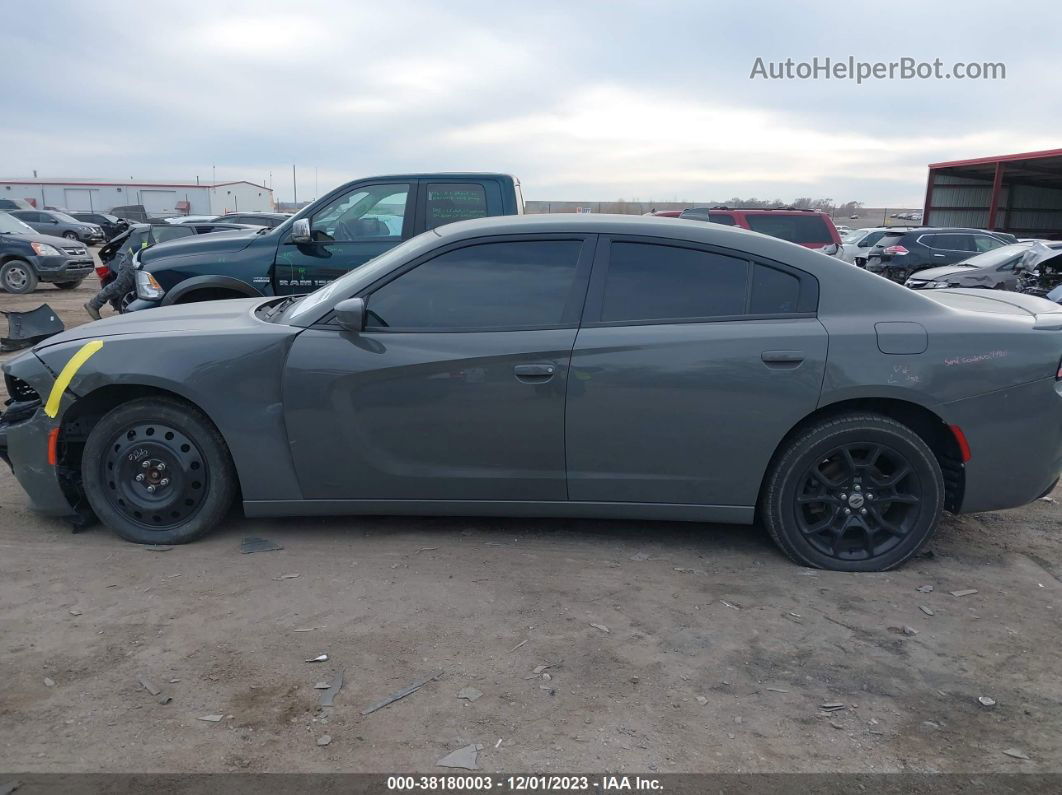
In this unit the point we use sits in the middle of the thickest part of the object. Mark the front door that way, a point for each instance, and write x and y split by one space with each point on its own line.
690 367
347 232
455 389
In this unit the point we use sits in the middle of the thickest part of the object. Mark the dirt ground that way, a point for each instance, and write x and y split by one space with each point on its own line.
671 647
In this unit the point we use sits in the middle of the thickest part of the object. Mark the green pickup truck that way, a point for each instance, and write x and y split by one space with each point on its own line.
336 233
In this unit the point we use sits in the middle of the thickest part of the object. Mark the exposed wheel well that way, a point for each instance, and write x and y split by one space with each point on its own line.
931 428
210 294
82 417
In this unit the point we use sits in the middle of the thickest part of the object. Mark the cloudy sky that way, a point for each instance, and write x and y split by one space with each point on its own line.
581 100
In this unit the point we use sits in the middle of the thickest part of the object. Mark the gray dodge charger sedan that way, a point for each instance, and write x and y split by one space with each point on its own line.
594 366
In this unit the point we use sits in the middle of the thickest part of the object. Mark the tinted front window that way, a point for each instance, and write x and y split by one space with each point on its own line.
487 286
655 282
457 202
986 243
794 228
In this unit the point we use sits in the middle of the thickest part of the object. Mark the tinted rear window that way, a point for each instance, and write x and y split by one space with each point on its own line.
794 228
655 282
457 202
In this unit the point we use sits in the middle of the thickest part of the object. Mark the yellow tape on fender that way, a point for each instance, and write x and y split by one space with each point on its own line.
66 375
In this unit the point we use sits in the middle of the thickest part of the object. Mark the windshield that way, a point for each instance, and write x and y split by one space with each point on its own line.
344 286
853 236
69 219
10 225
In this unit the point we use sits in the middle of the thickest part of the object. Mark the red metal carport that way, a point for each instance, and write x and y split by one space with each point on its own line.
1020 194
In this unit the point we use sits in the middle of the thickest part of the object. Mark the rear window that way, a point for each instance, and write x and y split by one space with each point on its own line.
726 219
457 202
695 213
891 239
802 229
162 234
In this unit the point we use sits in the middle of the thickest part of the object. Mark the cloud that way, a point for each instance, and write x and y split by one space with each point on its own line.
587 101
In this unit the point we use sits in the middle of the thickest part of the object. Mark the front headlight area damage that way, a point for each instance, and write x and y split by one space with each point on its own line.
41 439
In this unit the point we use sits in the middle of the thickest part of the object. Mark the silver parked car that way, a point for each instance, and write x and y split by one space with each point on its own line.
558 365
59 224
999 269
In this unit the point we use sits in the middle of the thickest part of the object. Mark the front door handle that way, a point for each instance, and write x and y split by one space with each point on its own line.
535 373
782 357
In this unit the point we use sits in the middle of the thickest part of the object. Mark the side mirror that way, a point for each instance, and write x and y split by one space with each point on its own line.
831 249
351 314
300 232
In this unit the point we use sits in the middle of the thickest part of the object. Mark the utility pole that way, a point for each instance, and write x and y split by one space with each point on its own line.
294 189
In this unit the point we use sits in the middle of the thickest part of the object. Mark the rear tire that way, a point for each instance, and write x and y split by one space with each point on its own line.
68 285
18 277
858 492
156 471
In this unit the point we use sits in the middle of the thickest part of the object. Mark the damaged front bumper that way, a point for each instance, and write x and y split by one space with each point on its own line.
28 436
24 443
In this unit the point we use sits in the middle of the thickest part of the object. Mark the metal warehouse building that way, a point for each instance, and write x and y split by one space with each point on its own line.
1020 194
159 198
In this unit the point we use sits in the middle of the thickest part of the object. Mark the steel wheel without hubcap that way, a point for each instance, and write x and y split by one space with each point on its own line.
17 278
155 476
858 502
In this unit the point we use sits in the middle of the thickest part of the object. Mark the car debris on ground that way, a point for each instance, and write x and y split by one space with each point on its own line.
400 694
469 693
318 658
602 627
964 592
328 696
466 758
1017 753
210 718
254 544
986 701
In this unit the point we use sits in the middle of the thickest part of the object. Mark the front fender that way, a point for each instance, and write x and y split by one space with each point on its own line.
189 286
237 386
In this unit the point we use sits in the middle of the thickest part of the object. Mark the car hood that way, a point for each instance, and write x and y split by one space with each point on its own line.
204 316
219 242
932 274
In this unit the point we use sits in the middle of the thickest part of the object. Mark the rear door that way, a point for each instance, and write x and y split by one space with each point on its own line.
690 366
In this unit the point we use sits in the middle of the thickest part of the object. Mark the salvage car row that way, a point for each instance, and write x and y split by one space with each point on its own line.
564 365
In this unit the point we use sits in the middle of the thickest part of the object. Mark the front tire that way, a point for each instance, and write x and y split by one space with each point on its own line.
858 492
70 235
17 277
156 471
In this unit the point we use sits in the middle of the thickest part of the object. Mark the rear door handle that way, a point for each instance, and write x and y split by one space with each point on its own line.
535 372
782 357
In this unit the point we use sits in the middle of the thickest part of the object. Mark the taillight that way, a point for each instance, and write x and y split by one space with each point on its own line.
895 251
1058 375
103 271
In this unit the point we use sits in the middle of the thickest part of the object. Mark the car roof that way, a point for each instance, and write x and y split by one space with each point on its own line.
671 229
